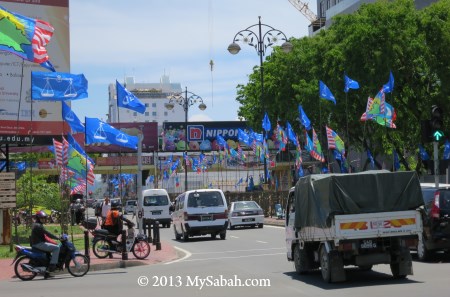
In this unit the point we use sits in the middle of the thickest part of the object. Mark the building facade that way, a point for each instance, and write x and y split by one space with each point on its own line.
153 95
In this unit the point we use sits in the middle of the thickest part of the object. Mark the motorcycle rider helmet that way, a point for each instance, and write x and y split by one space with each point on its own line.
78 201
114 204
41 216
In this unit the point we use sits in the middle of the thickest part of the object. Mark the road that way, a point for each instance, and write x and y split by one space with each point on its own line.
248 256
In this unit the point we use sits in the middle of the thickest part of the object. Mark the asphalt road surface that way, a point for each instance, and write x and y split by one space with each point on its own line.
250 263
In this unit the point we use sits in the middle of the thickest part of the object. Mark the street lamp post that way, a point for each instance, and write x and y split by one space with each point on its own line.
185 101
263 41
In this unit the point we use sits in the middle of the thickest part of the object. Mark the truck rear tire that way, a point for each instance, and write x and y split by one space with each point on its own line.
300 260
395 269
325 264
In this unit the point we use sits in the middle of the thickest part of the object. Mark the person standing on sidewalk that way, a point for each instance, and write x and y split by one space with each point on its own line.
106 207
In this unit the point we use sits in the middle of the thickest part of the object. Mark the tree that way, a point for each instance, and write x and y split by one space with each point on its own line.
380 37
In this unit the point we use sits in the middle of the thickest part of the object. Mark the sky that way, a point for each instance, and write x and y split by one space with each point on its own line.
145 39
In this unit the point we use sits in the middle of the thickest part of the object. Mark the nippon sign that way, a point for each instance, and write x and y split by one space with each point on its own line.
199 136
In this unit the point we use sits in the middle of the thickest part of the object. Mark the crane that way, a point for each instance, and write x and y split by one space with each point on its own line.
304 9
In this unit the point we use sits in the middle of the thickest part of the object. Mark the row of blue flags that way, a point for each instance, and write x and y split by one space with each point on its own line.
58 86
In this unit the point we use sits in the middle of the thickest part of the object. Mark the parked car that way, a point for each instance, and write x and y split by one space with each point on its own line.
200 212
436 221
130 206
245 213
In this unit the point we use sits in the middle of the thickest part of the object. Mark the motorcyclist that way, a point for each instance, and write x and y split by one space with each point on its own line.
38 240
113 222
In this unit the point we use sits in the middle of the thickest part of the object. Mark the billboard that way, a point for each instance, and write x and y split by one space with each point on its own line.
23 122
199 136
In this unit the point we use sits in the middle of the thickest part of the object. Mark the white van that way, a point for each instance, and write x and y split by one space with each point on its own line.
200 212
156 204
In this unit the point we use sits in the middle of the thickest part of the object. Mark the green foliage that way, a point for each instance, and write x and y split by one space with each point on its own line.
23 235
34 189
380 37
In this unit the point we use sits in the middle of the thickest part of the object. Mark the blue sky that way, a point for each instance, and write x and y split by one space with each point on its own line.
111 39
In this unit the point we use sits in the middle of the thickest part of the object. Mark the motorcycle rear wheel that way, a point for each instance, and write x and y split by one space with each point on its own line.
99 248
141 249
22 273
79 265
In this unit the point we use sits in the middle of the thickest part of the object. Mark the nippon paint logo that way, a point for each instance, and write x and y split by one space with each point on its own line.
195 132
200 133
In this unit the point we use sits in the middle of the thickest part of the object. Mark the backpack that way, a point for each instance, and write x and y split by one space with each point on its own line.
98 209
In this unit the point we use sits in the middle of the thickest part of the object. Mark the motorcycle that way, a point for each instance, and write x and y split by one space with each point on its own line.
105 243
30 261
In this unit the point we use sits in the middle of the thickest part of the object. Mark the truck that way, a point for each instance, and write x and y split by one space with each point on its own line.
359 219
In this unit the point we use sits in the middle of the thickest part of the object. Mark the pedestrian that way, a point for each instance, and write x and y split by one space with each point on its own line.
106 207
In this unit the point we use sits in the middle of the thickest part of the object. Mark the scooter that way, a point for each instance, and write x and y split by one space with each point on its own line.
105 243
30 261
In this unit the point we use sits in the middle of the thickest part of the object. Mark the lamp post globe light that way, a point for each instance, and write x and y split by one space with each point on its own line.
185 99
260 41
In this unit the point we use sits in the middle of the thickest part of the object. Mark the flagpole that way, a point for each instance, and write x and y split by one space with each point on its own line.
31 140
120 149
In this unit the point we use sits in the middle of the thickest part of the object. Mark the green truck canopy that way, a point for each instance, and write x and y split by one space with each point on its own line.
319 197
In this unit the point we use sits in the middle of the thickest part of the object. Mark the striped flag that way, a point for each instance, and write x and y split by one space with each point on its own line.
334 141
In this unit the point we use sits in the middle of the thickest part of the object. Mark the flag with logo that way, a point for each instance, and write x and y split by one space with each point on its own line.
25 37
58 86
126 99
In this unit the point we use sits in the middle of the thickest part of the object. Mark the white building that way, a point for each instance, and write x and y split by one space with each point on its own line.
153 95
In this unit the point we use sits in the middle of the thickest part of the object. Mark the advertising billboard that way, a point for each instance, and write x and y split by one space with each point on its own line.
199 136
22 121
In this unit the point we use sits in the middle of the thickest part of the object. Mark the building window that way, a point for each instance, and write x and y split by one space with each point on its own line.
154 105
135 113
154 113
146 105
147 113
166 113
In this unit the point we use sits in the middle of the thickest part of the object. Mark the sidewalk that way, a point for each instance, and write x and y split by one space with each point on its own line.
274 221
166 254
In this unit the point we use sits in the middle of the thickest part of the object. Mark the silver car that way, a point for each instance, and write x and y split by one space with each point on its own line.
245 213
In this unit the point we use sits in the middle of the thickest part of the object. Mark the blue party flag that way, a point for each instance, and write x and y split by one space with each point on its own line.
325 92
126 99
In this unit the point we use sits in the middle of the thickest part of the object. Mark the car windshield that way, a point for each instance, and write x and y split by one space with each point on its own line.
157 200
245 205
205 199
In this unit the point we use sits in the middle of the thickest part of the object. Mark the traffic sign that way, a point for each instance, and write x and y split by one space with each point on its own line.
7 190
437 135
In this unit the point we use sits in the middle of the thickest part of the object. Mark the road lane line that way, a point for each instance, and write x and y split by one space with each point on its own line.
235 257
233 236
261 241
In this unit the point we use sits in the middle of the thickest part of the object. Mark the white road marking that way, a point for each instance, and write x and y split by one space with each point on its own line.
187 255
235 257
234 236
261 241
